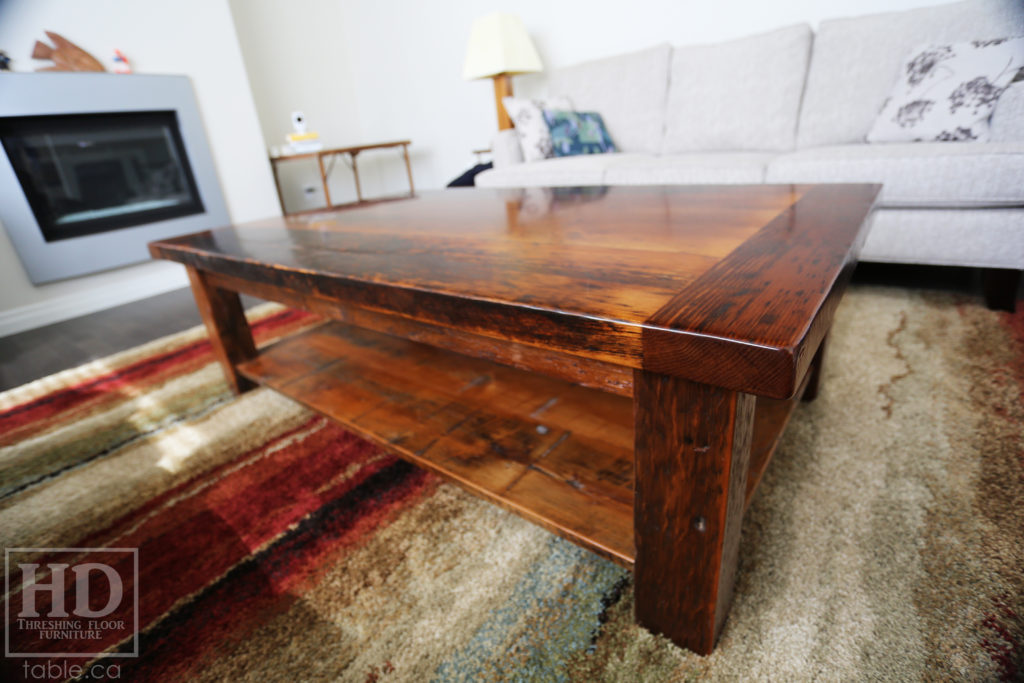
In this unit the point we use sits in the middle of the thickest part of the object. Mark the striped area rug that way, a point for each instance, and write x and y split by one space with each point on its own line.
272 545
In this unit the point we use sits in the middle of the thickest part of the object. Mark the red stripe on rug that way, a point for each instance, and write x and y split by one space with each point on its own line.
222 523
204 548
277 580
120 526
72 396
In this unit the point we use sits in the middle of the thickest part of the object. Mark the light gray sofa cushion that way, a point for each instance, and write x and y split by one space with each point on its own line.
506 149
915 173
854 62
528 118
946 237
628 91
698 167
948 92
584 169
740 95
711 168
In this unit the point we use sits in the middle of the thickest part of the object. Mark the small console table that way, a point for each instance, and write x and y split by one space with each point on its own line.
352 152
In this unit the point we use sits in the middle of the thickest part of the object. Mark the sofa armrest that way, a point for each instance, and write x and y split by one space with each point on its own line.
505 148
1008 117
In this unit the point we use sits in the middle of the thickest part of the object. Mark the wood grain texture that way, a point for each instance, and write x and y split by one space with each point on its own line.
814 372
753 322
692 452
553 452
502 335
718 284
586 372
387 389
227 327
771 415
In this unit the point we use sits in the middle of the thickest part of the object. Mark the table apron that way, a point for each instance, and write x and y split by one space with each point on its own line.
588 372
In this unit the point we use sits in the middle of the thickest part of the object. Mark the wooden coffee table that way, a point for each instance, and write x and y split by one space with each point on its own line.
614 364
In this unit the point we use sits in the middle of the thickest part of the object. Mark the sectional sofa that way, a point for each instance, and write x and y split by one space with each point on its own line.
794 106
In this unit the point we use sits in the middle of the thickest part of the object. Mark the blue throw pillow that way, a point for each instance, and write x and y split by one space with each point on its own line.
577 132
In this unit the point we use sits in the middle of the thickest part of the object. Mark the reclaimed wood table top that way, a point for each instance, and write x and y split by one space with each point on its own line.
727 285
614 364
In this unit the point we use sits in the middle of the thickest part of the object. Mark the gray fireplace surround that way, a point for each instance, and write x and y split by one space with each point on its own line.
61 94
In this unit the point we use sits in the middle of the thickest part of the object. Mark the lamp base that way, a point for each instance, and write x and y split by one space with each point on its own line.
502 88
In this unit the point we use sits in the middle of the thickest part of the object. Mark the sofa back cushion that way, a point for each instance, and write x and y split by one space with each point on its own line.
855 61
1008 117
628 91
740 95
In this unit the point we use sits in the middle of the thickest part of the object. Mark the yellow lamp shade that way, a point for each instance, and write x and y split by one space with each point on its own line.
499 44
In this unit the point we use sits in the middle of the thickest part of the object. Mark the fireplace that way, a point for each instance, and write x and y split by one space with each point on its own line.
95 166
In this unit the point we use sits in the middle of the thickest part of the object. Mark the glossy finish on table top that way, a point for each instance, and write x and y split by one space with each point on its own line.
620 274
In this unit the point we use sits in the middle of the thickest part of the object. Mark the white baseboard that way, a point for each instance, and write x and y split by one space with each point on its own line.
87 301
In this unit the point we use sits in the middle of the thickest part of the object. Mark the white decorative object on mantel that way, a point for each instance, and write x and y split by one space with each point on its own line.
947 93
528 117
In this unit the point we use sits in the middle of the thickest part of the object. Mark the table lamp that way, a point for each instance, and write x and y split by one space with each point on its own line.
499 48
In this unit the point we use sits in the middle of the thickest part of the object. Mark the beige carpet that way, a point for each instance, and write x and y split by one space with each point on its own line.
885 541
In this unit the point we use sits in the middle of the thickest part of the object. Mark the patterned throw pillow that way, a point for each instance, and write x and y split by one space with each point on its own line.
533 133
577 132
948 92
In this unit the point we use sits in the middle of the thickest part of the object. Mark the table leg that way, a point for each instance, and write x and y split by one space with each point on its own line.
692 453
323 179
408 169
227 327
277 186
355 174
814 379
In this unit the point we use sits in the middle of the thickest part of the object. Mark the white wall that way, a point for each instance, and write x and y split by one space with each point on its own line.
297 58
361 70
403 60
192 37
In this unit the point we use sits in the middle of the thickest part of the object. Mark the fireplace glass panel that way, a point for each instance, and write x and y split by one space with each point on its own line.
89 173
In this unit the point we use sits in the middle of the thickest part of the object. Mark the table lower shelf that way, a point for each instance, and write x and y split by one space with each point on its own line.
556 453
